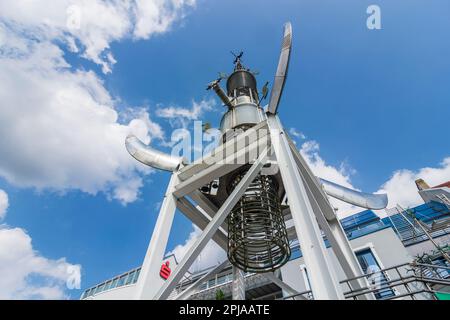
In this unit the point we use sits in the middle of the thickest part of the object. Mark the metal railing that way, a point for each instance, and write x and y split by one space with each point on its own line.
252 280
415 281
304 295
127 278
404 281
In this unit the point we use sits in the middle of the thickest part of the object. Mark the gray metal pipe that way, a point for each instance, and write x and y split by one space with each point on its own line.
222 95
357 198
151 157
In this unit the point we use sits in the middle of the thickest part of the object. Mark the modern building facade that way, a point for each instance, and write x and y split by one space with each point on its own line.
405 255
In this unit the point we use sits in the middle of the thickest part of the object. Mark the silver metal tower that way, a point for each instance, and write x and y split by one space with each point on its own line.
252 171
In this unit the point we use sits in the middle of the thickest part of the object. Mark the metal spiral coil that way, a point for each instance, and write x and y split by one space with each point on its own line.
257 236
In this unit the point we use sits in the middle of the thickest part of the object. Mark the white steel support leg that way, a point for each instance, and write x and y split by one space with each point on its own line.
341 248
323 279
238 284
212 227
146 286
328 221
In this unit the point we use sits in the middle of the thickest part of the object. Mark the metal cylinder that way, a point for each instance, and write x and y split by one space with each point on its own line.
240 79
244 115
257 236
222 95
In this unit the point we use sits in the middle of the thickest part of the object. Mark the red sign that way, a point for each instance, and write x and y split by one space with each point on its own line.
165 271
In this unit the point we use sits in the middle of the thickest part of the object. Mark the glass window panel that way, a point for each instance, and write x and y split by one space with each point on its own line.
370 266
211 283
138 271
130 278
108 285
121 280
221 279
100 288
114 283
443 273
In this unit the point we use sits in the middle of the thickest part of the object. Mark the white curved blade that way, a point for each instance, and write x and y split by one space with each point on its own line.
149 156
283 64
357 198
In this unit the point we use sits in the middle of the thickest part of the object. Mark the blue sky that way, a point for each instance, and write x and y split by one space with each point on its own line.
376 101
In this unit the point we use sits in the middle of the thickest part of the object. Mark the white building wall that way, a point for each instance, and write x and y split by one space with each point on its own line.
385 244
427 246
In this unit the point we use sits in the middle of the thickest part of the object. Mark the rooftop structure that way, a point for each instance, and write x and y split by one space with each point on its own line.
257 198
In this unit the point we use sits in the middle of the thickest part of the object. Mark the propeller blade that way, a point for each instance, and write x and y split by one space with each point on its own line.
360 199
283 64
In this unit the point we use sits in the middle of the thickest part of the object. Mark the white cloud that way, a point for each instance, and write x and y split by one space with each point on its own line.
89 26
157 16
62 131
401 187
211 255
25 274
4 203
342 175
181 116
297 134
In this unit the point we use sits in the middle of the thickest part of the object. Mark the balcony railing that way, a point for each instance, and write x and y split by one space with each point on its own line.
127 278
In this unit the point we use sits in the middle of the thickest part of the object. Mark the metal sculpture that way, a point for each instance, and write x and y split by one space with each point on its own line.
245 215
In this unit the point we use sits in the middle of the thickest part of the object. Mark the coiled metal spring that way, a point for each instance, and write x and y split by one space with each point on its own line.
257 236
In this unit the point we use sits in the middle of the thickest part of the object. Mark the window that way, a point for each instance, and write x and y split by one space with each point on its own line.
114 283
138 271
443 273
100 288
211 283
121 280
378 279
130 278
108 285
222 279
94 291
85 294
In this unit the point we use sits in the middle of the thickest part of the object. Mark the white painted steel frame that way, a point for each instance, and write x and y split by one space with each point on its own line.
323 278
211 228
309 208
149 275
238 284
330 225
